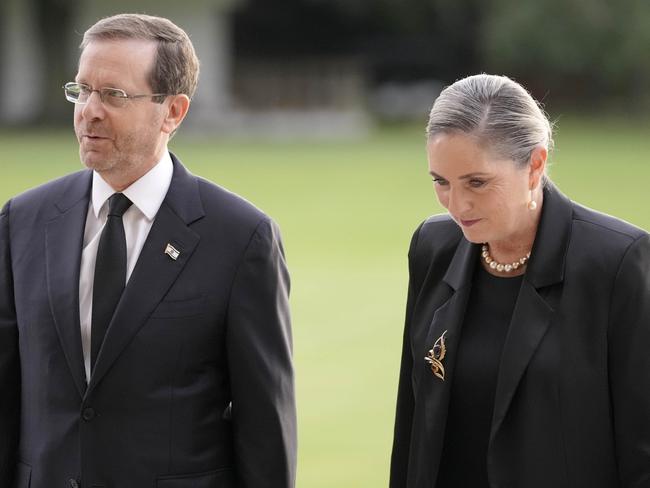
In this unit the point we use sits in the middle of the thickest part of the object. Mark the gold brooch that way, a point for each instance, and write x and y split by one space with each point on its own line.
436 355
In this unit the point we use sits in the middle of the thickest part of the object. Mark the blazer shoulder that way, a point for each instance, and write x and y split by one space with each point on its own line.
436 232
64 191
441 223
436 238
605 226
601 242
218 201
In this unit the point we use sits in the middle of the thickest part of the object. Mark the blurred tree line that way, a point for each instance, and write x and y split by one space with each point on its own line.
590 51
581 53
586 53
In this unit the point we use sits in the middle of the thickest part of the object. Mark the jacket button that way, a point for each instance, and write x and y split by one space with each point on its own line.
88 414
73 483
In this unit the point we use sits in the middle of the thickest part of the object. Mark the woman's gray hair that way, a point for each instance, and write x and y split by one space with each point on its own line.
502 116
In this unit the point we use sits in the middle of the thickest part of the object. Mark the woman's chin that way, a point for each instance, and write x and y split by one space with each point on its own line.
472 235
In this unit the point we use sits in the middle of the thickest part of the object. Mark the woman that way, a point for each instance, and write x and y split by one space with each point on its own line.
526 357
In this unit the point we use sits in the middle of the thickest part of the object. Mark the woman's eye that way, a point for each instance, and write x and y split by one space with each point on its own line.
440 181
476 183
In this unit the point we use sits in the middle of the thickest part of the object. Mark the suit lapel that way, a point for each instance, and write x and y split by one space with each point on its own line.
530 321
535 305
447 320
63 246
155 271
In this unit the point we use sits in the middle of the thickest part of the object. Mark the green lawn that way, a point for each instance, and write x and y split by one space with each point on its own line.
347 211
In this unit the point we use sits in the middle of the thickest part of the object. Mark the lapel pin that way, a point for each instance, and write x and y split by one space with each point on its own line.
436 355
172 252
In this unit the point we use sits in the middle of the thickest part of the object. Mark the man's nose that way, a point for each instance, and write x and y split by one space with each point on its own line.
93 108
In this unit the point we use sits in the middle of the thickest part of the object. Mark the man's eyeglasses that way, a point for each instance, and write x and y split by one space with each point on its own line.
79 93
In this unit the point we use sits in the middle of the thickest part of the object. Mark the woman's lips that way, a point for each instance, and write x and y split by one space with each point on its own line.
469 223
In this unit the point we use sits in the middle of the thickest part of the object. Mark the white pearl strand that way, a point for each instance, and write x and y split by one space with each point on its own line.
500 267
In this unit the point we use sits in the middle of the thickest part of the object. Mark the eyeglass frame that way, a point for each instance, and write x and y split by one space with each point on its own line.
103 95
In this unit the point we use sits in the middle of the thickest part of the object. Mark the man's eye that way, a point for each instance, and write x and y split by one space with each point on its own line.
440 181
114 93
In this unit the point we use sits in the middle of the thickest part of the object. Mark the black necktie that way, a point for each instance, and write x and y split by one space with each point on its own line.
110 272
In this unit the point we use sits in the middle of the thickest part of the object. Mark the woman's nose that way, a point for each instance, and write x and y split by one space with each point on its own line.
458 202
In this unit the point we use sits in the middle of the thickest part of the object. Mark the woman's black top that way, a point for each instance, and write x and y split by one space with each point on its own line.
487 318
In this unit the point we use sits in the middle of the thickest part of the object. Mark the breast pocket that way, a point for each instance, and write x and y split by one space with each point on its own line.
221 478
170 309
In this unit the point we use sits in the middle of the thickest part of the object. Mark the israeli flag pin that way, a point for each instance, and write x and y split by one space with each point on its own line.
172 252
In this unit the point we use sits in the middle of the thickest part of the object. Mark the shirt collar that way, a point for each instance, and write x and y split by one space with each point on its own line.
147 193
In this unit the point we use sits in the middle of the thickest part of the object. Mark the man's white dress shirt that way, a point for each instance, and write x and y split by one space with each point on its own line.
147 194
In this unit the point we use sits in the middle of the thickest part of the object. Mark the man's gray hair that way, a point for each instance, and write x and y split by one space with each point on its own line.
499 112
176 67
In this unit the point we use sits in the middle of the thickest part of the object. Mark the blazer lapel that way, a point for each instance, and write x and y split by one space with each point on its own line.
447 320
63 246
530 321
535 305
156 270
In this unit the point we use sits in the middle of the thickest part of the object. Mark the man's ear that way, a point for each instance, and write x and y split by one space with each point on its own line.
177 108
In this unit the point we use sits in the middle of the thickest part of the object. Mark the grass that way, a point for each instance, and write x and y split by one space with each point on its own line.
347 211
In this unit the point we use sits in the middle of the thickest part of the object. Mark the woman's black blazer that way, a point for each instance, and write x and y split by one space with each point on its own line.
572 406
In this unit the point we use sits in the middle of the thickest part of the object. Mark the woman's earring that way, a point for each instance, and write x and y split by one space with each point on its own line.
532 204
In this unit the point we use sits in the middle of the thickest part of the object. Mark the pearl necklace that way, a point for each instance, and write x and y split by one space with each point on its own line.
500 267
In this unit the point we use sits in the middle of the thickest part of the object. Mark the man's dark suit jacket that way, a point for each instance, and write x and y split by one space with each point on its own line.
572 406
188 337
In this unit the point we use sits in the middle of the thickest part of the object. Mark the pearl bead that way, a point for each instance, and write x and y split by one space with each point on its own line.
500 267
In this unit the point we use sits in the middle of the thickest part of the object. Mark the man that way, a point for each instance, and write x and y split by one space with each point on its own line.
144 325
